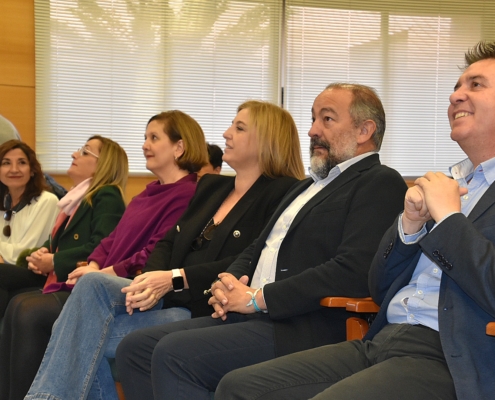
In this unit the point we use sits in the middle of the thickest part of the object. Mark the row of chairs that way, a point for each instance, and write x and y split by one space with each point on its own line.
356 327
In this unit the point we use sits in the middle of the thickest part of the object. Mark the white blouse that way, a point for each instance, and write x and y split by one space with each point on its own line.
29 227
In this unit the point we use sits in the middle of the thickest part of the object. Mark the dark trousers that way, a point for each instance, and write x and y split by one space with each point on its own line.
27 329
15 280
401 362
187 359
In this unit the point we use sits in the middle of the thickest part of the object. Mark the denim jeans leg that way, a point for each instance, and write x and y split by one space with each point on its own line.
92 323
78 337
103 387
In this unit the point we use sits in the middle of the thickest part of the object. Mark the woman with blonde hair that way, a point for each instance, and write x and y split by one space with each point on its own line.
88 213
224 217
279 151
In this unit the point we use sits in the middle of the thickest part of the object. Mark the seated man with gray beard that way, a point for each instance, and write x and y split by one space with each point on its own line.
319 242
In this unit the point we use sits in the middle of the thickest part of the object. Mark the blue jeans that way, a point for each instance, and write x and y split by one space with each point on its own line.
92 323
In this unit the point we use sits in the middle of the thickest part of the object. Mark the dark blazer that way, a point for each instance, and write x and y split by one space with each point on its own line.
326 252
463 247
237 231
89 225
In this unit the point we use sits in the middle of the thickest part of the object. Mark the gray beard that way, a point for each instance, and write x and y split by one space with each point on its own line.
321 166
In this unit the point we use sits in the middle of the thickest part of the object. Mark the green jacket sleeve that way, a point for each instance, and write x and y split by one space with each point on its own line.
89 225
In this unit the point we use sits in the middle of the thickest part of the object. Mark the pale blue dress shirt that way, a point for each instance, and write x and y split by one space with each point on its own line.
417 303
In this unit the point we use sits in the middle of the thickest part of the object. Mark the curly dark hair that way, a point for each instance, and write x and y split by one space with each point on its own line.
36 183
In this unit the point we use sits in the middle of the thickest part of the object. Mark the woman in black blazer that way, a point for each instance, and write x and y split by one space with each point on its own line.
225 215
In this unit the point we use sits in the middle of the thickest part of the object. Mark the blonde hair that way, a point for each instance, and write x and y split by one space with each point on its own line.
112 167
180 126
279 150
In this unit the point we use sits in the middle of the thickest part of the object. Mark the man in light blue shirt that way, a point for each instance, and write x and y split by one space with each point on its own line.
433 276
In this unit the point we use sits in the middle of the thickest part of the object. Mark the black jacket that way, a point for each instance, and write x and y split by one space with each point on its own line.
326 252
238 230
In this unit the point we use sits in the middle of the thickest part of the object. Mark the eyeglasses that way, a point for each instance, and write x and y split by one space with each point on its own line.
83 151
7 216
207 234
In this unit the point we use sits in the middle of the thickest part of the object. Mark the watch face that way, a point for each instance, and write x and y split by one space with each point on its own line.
178 282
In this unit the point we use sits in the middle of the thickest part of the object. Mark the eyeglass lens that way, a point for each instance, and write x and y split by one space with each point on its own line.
84 151
7 216
206 235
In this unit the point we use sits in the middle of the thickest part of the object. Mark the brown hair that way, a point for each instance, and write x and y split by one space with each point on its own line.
36 183
180 126
279 150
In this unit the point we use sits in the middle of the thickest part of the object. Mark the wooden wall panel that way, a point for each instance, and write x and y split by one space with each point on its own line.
17 92
17 104
17 43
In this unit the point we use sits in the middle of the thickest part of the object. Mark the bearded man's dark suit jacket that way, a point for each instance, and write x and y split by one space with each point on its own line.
237 231
327 252
463 247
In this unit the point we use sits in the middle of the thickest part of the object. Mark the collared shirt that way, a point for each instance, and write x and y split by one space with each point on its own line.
417 303
266 268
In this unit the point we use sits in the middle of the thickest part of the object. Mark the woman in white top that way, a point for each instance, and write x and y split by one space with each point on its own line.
29 211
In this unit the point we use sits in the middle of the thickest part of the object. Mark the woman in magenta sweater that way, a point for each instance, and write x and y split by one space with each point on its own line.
174 148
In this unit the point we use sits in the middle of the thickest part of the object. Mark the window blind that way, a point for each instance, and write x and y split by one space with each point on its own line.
106 66
409 51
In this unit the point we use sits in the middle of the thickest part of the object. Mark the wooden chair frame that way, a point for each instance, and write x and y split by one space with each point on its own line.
366 308
490 329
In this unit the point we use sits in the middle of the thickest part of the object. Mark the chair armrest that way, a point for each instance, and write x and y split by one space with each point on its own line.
334 302
356 327
359 305
490 329
365 305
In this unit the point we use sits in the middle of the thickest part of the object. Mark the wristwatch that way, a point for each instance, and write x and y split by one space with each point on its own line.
177 280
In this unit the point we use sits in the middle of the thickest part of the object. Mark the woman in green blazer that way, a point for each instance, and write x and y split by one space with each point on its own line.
88 213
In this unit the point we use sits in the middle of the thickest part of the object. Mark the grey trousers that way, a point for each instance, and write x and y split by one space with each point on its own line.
401 362
186 359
